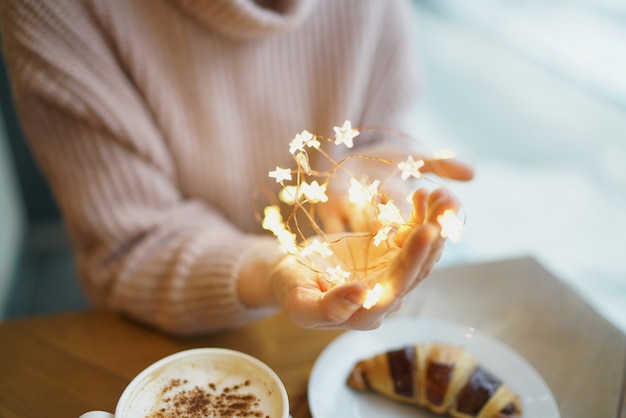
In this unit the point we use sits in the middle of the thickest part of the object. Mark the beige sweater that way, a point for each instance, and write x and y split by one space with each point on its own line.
157 122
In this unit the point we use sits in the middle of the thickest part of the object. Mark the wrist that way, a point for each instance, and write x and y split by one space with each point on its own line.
254 286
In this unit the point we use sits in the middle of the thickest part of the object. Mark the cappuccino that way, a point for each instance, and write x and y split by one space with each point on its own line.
206 383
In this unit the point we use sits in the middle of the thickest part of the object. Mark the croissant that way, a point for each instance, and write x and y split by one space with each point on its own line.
444 378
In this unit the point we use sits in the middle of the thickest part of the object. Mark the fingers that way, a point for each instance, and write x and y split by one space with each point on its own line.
449 168
427 206
433 256
418 214
438 202
367 319
423 246
338 307
329 309
342 306
310 303
407 269
341 302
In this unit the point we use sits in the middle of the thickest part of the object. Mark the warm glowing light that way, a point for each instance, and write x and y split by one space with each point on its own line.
451 226
272 220
314 191
309 188
411 168
361 193
317 247
389 214
337 275
287 241
382 235
290 195
345 134
303 138
281 174
373 296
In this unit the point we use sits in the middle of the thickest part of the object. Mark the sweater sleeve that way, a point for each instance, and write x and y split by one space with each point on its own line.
143 248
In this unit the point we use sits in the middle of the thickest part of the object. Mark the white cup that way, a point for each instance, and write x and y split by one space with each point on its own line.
205 380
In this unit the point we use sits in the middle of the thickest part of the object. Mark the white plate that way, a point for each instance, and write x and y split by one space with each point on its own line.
330 397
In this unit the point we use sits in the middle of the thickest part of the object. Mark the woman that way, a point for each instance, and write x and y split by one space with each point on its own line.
156 123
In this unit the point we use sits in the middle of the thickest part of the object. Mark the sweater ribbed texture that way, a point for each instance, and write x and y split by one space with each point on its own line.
157 122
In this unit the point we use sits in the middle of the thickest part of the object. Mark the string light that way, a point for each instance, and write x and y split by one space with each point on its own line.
314 192
389 214
362 193
317 247
411 168
304 192
281 174
451 226
337 274
382 235
345 134
373 296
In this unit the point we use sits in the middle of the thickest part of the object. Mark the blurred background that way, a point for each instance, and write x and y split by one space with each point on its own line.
36 266
533 93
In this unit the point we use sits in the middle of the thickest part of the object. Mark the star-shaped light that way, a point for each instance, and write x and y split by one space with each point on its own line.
304 195
272 219
300 140
290 195
389 214
345 134
281 174
361 193
382 235
312 142
410 167
316 246
287 241
314 191
373 296
337 275
451 226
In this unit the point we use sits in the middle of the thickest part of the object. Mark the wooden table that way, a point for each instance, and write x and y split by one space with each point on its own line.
63 365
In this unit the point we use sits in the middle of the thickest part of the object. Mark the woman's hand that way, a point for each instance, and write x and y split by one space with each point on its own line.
338 215
399 266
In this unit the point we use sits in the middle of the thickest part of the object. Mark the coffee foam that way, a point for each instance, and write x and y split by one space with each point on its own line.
205 384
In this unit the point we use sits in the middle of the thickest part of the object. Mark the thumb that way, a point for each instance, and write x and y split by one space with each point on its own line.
450 168
416 218
341 302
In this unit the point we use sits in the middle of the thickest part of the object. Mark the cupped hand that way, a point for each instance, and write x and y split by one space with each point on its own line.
399 265
338 215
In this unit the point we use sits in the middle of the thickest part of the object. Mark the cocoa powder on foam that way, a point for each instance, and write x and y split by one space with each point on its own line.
232 401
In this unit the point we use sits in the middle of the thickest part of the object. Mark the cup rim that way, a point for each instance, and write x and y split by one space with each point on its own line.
129 390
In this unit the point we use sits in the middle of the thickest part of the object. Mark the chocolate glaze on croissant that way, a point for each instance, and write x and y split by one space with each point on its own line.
444 378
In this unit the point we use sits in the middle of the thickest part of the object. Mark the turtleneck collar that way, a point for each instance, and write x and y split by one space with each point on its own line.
246 19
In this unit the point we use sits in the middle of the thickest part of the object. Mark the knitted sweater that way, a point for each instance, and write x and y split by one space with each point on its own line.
156 123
